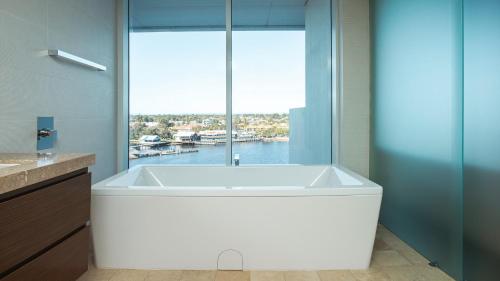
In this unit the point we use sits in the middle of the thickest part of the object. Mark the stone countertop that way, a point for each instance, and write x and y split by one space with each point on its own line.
33 168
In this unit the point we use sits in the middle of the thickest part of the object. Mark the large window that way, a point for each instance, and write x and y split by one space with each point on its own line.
268 81
207 85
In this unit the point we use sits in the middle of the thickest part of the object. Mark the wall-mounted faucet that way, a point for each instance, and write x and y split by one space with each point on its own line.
236 159
45 133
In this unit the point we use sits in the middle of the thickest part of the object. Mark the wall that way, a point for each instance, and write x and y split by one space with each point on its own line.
33 84
355 86
481 140
417 124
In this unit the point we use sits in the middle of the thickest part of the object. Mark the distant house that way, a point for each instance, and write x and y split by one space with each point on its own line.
208 122
185 136
151 124
149 139
183 128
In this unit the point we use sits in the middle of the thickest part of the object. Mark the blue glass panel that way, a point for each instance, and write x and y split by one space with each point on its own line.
417 124
482 140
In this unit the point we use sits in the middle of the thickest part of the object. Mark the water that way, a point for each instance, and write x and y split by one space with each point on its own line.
250 153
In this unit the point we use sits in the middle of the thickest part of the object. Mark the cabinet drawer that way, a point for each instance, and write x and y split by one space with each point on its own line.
34 221
65 262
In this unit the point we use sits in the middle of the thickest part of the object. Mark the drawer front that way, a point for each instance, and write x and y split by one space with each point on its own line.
32 222
65 262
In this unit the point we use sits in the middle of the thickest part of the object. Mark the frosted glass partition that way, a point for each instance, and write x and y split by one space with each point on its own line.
482 140
417 132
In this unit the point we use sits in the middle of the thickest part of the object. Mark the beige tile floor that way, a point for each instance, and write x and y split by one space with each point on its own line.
392 260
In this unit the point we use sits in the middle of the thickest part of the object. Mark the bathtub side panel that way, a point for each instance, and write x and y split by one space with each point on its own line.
271 233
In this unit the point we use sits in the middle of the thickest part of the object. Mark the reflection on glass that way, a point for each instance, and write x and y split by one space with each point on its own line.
282 82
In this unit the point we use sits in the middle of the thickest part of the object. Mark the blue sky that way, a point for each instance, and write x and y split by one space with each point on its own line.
184 72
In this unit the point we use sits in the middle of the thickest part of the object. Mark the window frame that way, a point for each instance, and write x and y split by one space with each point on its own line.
123 94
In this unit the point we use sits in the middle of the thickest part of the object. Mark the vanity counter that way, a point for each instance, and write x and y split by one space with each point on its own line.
31 168
44 216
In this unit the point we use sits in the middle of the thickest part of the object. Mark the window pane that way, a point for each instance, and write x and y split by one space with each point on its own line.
177 82
282 98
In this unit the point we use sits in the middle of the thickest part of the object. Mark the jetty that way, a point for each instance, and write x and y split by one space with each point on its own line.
141 153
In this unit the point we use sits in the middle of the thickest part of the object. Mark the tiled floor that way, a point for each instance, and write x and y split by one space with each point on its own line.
392 260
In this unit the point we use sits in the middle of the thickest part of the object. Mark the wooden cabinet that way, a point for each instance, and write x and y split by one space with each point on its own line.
43 233
65 261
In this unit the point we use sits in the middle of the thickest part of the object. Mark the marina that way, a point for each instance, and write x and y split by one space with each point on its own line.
135 153
250 153
190 142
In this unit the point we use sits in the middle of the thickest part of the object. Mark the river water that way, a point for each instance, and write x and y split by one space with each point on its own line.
250 153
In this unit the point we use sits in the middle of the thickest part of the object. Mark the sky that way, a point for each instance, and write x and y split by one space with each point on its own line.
184 72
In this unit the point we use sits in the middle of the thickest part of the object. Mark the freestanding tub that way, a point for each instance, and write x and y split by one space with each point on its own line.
247 217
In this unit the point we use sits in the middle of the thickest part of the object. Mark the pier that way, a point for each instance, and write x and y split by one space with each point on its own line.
134 153
134 144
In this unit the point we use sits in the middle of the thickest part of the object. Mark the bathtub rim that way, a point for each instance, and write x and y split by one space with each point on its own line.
366 188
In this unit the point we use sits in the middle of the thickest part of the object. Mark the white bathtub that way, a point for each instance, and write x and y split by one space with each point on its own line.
249 217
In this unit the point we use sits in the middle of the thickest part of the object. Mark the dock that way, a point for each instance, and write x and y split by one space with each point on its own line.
135 153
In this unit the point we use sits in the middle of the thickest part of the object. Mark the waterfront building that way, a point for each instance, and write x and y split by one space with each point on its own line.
245 136
185 136
214 136
149 139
